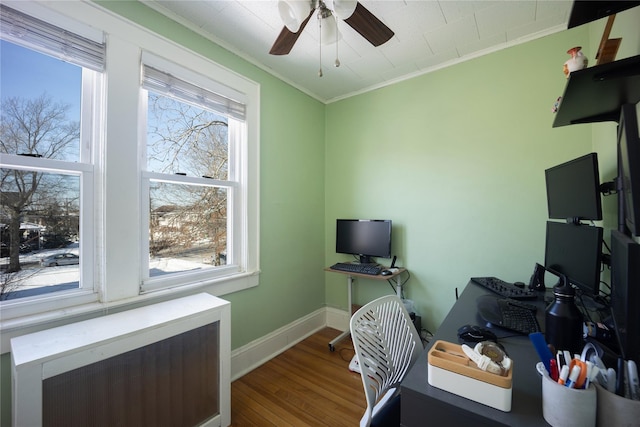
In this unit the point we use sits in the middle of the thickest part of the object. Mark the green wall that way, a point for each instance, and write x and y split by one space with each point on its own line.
456 159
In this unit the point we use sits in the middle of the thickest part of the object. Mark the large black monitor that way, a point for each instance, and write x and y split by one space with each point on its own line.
625 293
573 189
365 238
629 166
576 252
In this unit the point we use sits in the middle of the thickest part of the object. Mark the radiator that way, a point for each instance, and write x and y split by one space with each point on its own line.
166 364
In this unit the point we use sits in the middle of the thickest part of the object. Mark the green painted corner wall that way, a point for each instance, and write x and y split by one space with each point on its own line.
456 160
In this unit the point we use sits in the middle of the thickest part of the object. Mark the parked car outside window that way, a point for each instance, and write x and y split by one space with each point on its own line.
60 259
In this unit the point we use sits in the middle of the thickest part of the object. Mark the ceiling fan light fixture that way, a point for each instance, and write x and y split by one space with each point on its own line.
342 8
293 13
329 33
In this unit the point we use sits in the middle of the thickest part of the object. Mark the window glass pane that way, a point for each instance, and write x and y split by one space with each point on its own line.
40 104
188 228
39 220
39 211
185 139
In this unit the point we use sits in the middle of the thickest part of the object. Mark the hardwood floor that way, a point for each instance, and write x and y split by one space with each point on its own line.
306 385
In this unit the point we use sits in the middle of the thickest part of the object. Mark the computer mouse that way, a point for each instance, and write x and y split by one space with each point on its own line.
386 273
519 284
472 333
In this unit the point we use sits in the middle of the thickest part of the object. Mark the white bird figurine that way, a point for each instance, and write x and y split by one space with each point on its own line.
577 62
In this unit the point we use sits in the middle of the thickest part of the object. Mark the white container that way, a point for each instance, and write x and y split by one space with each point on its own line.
451 370
568 407
614 410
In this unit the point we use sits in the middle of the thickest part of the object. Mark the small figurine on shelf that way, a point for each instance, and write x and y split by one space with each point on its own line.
577 62
556 105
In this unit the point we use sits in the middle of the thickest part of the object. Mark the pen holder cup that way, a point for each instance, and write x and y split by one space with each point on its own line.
567 407
614 410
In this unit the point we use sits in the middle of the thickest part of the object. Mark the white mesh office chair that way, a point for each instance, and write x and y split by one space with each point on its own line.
386 344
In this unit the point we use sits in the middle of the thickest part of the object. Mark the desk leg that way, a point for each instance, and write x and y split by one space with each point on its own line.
347 332
399 286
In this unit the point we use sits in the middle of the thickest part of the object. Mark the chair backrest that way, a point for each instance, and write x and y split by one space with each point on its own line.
386 344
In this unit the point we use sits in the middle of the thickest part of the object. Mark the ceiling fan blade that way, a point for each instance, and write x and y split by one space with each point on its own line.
369 27
286 39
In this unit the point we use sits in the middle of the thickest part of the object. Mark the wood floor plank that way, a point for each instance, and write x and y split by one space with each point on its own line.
307 385
299 395
330 384
262 407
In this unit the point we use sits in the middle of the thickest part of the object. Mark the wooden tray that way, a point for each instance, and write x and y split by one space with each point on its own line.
450 356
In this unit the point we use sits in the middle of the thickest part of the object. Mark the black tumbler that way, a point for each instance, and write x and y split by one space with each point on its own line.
563 321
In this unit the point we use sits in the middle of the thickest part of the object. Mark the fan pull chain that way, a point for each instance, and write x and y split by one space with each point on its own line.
337 63
320 43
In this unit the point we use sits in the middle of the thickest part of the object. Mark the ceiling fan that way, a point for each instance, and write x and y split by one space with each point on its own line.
296 13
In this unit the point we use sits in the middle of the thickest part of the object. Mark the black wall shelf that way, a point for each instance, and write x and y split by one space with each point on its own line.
595 94
590 10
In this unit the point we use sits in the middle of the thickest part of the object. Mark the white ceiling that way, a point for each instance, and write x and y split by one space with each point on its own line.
429 35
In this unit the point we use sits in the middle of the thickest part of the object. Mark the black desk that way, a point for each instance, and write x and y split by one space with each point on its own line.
423 404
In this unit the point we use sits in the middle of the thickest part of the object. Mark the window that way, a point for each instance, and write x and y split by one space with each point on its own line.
49 78
191 184
140 211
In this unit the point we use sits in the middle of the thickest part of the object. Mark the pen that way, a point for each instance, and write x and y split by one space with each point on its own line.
611 380
620 378
564 374
599 363
560 359
634 382
580 374
553 373
573 376
594 373
590 367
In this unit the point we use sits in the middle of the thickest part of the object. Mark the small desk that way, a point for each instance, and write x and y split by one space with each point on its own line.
350 277
422 403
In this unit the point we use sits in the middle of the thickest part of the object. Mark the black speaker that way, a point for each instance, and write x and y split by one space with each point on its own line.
625 292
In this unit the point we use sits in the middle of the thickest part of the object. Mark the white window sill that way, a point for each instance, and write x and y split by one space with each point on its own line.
10 328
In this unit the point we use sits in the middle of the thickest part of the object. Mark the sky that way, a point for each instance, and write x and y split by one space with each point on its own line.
28 74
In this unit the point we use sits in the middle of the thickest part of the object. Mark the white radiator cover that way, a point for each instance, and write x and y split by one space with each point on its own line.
38 356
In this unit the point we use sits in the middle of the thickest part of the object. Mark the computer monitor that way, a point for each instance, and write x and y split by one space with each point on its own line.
576 252
573 189
625 293
629 166
365 238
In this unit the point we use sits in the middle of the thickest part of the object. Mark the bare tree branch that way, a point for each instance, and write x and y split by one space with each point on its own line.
40 128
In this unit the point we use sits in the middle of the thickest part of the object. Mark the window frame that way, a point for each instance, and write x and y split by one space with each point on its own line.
91 82
236 232
86 293
117 203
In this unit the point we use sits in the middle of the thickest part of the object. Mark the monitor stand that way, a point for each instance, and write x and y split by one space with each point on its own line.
366 259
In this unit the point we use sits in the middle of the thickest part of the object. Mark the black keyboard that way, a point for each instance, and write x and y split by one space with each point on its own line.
370 269
509 314
505 289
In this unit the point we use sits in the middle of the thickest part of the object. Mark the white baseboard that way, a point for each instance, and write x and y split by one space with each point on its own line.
248 357
337 319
